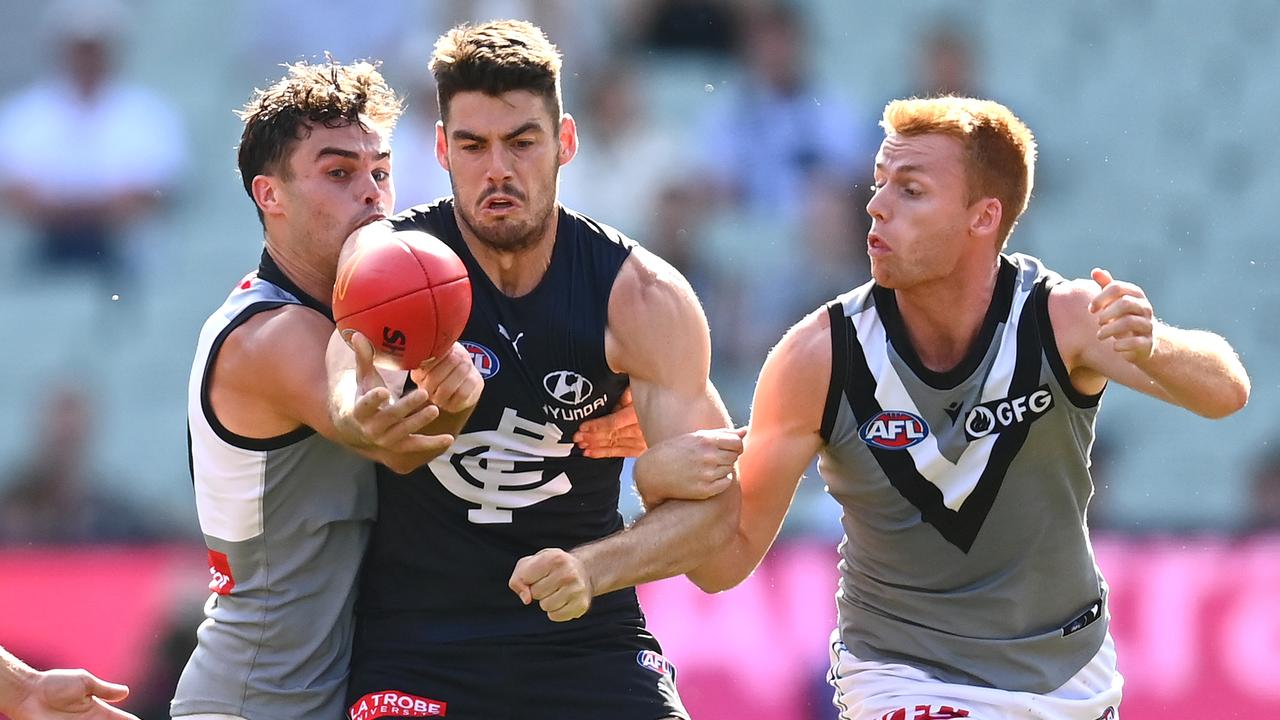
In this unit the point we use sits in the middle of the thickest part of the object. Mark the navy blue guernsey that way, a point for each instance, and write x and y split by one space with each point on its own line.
449 534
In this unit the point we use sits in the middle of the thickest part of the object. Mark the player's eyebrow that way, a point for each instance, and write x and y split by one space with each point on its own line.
899 169
525 128
349 154
531 126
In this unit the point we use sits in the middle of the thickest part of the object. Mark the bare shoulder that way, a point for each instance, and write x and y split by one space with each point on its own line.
1073 325
645 278
269 377
799 366
1072 296
653 314
274 342
808 341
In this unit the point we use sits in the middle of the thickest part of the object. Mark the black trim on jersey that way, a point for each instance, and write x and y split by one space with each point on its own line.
997 311
302 432
268 270
1050 343
839 368
958 527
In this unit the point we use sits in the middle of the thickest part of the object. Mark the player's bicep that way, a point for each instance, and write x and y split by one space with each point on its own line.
301 375
658 336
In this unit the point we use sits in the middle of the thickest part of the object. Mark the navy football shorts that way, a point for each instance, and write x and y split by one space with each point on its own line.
599 671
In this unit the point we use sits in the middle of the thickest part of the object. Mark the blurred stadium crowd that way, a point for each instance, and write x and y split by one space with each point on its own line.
733 138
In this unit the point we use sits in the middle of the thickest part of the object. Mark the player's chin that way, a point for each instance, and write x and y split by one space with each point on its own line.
884 275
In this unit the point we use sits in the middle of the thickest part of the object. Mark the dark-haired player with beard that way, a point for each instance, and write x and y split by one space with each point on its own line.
499 581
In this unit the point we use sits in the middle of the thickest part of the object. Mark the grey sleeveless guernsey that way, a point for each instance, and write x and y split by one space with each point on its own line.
964 492
286 521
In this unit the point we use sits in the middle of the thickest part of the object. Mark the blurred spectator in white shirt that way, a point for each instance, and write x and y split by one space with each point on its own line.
84 154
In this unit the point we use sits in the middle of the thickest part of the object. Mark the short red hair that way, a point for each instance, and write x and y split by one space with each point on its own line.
999 149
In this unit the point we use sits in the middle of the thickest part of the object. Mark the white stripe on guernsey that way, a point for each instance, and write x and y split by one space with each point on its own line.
955 480
230 483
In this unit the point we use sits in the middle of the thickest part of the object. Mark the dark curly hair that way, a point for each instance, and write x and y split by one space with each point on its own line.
329 94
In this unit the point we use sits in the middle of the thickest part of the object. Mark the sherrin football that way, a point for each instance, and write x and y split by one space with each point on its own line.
406 291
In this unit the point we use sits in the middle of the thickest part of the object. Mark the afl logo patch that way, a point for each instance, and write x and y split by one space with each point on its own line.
483 358
567 386
894 430
653 661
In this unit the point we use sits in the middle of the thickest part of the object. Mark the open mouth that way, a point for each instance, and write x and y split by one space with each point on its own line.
498 204
876 245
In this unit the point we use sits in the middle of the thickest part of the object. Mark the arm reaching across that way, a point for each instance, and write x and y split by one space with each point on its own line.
658 336
270 378
784 436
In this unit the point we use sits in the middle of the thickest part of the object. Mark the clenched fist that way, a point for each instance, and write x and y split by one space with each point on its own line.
1125 315
557 580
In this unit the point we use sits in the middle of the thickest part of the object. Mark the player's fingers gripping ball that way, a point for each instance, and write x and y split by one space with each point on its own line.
405 291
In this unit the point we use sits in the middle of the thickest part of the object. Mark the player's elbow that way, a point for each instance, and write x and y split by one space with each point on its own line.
1229 397
711 580
1228 402
726 568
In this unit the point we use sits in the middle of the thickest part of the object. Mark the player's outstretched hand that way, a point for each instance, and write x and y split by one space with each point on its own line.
617 434
693 466
452 382
557 580
390 423
71 695
1124 315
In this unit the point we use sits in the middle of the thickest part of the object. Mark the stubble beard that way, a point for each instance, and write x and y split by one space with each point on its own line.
509 236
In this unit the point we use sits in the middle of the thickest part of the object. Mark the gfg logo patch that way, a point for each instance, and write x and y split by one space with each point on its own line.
567 386
483 358
894 430
1000 415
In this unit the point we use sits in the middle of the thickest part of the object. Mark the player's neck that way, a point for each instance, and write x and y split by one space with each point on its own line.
943 318
514 272
304 272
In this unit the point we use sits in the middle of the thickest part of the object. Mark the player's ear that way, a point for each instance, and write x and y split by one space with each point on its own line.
442 146
266 194
985 220
568 138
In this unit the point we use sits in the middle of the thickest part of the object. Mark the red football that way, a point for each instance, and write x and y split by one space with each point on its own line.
407 292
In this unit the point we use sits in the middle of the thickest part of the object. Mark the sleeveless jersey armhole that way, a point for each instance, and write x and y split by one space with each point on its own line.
1050 345
839 367
302 432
